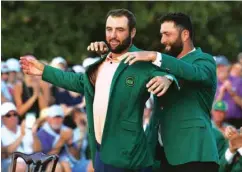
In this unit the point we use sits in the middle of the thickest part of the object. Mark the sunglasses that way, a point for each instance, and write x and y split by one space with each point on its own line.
8 115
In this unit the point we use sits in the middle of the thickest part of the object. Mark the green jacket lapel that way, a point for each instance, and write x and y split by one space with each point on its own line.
120 68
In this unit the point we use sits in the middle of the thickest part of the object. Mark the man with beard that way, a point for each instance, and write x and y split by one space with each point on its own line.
182 117
115 98
185 123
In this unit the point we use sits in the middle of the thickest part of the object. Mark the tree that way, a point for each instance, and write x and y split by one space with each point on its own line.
49 29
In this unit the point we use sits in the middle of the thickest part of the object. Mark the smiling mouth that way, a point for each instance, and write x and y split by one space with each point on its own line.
114 42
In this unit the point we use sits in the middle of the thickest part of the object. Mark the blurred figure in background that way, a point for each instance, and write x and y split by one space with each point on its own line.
78 158
16 138
229 90
67 99
240 58
218 115
236 71
6 96
31 95
88 61
15 73
54 136
147 112
232 161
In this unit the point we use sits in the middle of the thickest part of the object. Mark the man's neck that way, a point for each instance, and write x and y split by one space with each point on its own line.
185 51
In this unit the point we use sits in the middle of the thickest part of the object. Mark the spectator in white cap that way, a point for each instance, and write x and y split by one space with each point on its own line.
78 69
15 73
59 62
54 136
5 92
67 99
88 61
16 138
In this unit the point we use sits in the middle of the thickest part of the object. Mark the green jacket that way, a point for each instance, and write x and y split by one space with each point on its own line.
235 166
184 115
222 144
124 143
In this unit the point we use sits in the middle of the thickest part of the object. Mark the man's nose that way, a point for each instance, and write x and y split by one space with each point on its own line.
113 34
163 40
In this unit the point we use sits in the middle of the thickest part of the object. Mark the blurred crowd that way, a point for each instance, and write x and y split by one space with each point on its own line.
37 116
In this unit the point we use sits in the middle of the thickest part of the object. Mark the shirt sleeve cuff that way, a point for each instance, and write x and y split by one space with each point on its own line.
158 59
169 77
240 151
229 156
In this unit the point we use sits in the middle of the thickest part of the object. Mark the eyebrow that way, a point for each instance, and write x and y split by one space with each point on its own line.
115 28
165 32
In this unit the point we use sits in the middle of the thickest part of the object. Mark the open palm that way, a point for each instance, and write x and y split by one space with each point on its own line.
31 66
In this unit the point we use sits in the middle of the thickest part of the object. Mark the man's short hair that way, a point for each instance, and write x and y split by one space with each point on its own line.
180 20
124 12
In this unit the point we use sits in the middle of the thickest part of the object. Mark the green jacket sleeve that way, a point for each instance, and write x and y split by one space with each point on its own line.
68 80
202 70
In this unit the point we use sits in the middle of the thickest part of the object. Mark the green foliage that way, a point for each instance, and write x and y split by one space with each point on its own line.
49 29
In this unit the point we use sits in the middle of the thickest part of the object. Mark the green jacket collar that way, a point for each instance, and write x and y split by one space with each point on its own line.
194 53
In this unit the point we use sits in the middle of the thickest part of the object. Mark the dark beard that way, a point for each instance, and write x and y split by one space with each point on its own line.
176 48
123 46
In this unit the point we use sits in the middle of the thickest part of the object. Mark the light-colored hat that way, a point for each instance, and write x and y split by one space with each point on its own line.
4 67
222 60
58 60
89 61
13 65
55 110
78 69
7 107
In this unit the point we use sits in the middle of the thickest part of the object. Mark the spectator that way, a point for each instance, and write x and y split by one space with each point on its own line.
65 98
16 138
147 111
218 115
236 71
88 61
78 158
232 161
5 93
229 90
240 58
31 95
54 136
78 69
15 73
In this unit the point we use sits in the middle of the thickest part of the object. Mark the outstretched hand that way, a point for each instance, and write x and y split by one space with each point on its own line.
31 66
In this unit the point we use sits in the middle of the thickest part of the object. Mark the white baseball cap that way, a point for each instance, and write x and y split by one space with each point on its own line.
55 110
13 65
58 60
78 69
7 107
4 67
89 61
